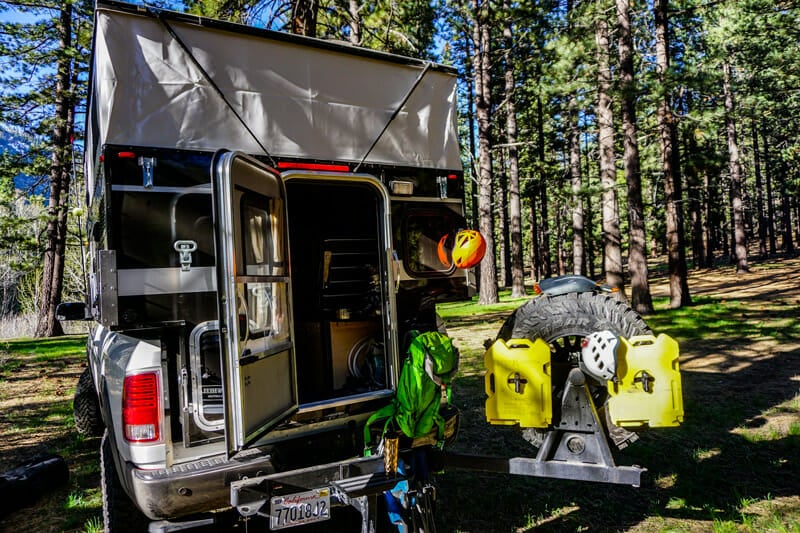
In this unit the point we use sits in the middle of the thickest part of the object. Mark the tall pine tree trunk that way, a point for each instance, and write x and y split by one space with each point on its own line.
760 217
501 221
641 300
708 237
676 254
575 176
786 212
514 201
576 180
773 248
56 231
695 196
534 255
541 189
735 168
487 292
612 245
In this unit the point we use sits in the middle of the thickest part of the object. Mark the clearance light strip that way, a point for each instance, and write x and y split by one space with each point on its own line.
292 165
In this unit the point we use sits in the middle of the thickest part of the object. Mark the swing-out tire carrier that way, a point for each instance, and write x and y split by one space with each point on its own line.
535 467
577 449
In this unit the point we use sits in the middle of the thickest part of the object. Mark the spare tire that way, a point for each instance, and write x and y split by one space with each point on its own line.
563 321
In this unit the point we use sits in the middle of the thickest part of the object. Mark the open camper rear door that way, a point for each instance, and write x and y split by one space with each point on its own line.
260 382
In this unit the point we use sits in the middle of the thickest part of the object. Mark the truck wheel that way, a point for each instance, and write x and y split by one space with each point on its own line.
119 512
85 407
563 321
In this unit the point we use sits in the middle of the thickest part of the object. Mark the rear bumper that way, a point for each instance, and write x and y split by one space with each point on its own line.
196 487
217 484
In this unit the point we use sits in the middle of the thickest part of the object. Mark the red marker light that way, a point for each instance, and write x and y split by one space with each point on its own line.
293 165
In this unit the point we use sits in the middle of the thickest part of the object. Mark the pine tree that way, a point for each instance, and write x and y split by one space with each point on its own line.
641 300
41 96
678 276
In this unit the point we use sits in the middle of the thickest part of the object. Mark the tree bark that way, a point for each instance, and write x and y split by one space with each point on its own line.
487 292
641 300
760 217
786 212
612 239
541 188
304 17
501 222
355 22
535 262
514 201
56 231
735 169
695 196
708 237
770 203
676 254
576 180
575 176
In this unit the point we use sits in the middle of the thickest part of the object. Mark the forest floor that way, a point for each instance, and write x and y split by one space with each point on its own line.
734 465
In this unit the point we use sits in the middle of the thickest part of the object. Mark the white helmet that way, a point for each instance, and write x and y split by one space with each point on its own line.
599 355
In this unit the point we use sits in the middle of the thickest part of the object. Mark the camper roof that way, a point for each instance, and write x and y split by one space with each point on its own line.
170 80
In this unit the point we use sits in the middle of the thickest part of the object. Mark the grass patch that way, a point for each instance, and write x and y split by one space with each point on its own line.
460 310
37 383
729 320
45 349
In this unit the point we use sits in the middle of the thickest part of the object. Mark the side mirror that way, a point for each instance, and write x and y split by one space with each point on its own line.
72 311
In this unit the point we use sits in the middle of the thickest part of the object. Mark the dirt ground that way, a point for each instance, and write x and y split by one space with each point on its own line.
36 399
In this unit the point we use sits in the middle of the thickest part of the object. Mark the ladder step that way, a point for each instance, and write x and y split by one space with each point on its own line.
368 483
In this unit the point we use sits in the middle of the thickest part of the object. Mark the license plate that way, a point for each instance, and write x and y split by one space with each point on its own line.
299 508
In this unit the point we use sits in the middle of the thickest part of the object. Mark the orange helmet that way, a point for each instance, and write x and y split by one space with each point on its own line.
469 248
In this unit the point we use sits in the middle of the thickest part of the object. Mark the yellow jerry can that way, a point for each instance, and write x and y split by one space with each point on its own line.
648 390
518 383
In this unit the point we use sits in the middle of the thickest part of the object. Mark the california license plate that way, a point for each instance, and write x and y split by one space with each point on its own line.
300 508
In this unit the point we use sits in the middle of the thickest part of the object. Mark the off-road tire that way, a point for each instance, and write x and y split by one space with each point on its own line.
574 314
563 321
85 407
119 512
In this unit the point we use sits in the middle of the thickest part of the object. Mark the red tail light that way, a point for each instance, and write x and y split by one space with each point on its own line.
141 407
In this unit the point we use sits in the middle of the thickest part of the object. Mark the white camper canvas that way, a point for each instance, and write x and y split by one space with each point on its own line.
312 102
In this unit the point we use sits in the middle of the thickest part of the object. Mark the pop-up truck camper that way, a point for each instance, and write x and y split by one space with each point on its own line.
271 219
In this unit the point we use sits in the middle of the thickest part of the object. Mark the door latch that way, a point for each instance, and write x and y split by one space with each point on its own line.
185 249
148 167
